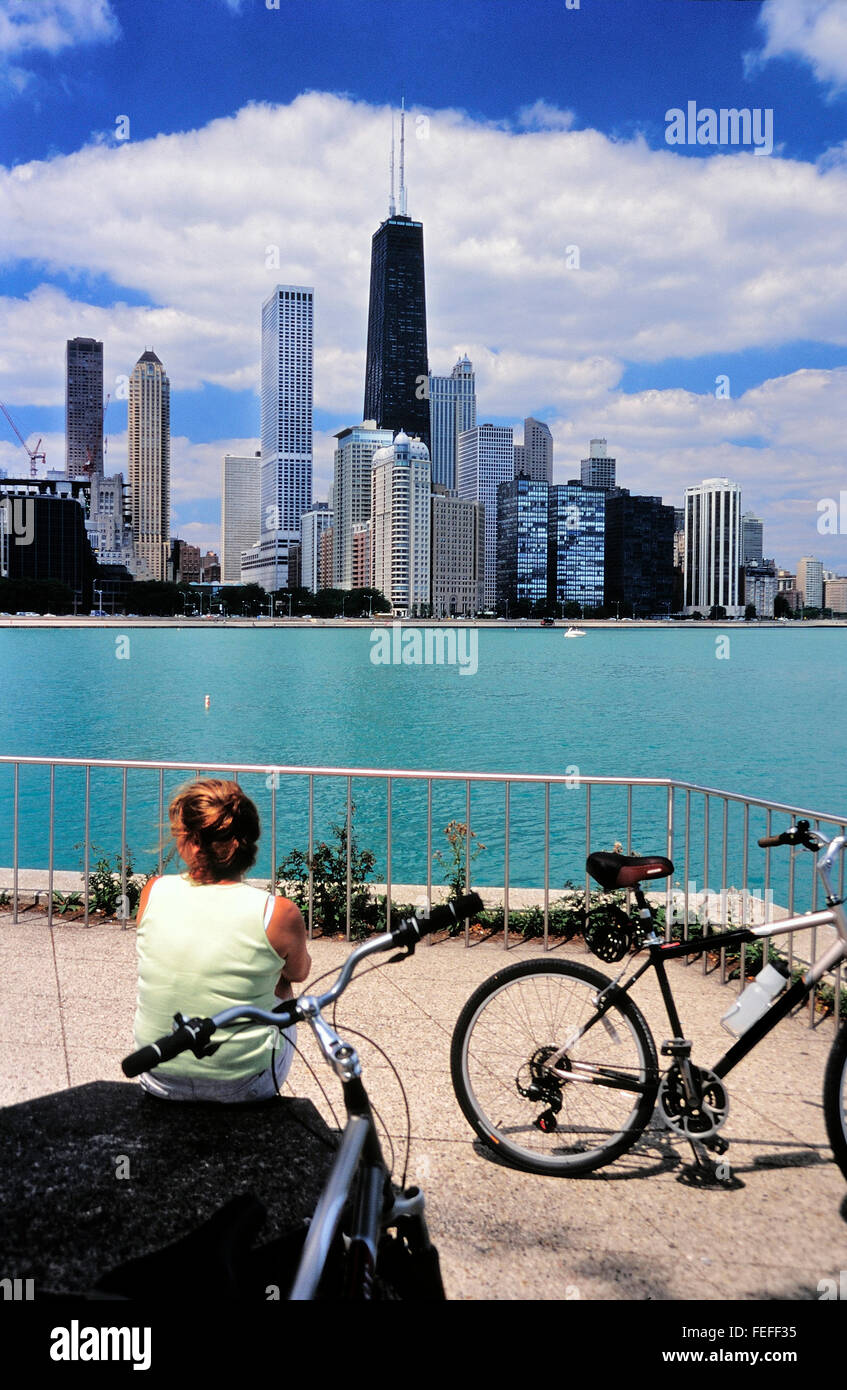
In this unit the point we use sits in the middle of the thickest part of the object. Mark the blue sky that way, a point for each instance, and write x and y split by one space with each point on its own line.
534 127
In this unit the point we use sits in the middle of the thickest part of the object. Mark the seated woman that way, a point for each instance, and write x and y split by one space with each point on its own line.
207 941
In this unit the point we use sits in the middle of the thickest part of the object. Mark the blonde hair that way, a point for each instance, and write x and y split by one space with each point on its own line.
223 825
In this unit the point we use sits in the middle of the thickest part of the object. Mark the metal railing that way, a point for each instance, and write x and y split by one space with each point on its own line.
706 832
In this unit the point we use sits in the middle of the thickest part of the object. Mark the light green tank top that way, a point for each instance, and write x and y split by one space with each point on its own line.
202 948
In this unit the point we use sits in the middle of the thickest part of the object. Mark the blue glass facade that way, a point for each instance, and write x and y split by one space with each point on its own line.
576 536
522 544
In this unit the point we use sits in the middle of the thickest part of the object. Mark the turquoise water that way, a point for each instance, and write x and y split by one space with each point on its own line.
766 719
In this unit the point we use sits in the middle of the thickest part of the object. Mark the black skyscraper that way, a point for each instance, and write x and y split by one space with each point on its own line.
397 368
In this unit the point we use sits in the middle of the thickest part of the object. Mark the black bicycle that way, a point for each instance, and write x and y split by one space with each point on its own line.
367 1238
556 1069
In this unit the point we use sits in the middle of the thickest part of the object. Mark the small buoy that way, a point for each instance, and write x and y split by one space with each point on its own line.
208 701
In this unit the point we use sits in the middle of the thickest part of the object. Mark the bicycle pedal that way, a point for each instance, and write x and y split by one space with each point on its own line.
716 1145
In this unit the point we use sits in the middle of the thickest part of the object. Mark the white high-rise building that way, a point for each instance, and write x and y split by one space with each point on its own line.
287 356
400 525
314 522
534 458
810 581
486 459
452 409
241 511
149 453
713 547
351 492
598 470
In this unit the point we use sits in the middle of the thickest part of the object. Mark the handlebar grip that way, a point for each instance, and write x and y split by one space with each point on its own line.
768 841
447 913
191 1035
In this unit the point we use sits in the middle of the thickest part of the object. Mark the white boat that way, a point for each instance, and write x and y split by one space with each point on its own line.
574 632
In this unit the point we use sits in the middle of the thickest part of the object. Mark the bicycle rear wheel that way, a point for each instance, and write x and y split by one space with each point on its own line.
504 1035
835 1099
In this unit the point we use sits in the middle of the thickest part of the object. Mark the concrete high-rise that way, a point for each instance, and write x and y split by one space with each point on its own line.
457 566
598 470
287 394
713 547
400 525
241 511
351 492
452 409
486 459
149 457
314 523
397 364
810 581
83 408
534 458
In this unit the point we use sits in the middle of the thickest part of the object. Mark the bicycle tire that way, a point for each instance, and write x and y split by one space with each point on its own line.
835 1098
510 1019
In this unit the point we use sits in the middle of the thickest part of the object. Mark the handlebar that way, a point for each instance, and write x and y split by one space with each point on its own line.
193 1034
799 834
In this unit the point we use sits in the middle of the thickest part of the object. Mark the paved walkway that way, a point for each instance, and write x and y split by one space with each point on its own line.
633 1231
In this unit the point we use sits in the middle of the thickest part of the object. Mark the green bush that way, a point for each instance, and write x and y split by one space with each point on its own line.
328 867
104 883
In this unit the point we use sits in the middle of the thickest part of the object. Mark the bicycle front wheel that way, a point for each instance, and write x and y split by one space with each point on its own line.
835 1099
515 1036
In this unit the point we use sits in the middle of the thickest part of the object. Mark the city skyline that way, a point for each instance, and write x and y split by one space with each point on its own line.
699 328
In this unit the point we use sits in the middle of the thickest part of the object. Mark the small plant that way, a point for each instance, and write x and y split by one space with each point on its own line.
5 900
104 884
453 863
63 903
328 867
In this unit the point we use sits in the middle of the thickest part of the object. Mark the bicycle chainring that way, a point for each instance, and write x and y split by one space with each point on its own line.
697 1120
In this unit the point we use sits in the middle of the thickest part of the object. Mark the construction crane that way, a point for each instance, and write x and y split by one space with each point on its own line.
34 455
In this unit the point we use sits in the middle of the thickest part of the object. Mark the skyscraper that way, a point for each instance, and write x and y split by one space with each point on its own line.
751 539
351 492
452 409
83 408
400 525
287 355
639 555
458 554
241 511
598 470
713 547
314 522
486 459
149 455
576 555
534 458
397 364
522 544
810 581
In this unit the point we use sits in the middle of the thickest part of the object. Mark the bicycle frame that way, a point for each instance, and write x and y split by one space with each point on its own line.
661 951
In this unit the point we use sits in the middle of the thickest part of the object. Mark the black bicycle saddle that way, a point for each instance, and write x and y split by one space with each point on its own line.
626 870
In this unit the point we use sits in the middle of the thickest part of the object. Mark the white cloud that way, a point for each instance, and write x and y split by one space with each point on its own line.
542 116
812 30
51 25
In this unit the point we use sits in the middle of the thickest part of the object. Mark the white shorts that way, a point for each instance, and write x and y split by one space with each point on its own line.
241 1089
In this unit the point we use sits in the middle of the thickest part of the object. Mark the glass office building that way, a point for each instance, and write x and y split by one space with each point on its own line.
576 544
522 543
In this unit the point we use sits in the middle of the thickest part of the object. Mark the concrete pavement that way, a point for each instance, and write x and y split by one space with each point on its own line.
633 1231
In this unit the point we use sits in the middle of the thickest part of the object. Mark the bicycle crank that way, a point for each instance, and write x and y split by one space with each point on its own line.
542 1087
700 1115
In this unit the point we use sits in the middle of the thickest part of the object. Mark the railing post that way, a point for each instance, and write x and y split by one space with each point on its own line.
349 862
546 865
429 941
311 853
506 871
669 888
124 899
50 845
86 852
15 796
388 860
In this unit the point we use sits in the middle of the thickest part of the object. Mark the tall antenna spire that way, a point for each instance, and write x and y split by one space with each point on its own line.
403 155
392 207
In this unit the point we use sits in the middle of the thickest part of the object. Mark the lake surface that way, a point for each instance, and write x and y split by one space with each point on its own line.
753 711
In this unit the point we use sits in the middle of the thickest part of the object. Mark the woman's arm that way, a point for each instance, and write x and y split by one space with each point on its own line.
286 932
145 894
